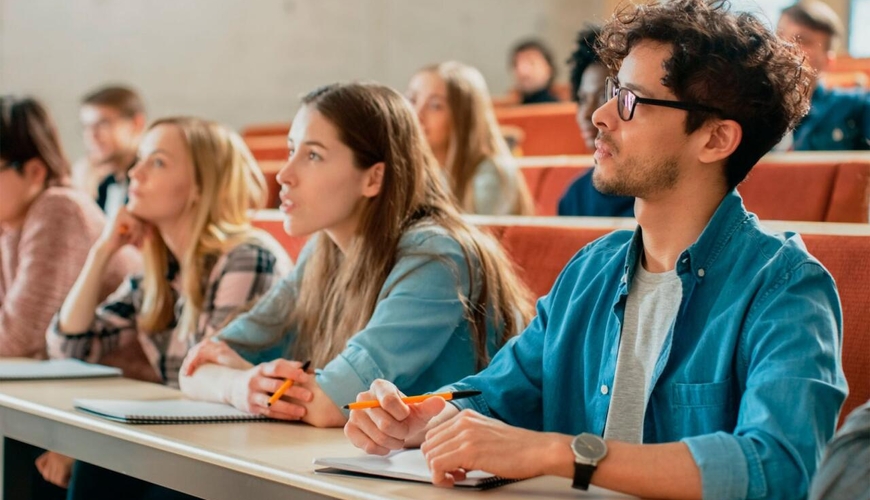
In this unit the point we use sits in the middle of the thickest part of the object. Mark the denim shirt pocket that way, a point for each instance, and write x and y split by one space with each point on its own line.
703 408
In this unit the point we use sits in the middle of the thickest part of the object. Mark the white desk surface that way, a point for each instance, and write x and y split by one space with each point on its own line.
263 451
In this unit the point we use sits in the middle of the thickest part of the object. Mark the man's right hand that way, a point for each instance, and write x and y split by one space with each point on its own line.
395 425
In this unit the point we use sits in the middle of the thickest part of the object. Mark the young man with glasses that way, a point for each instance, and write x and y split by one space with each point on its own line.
113 119
695 357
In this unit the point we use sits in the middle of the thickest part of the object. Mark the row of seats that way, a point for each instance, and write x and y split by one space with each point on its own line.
829 187
540 247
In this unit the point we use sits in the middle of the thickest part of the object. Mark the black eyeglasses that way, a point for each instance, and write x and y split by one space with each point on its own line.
628 100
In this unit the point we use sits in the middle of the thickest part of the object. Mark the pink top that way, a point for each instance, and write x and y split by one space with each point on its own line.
40 262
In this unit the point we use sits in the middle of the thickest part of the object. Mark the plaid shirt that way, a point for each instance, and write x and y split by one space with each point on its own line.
236 280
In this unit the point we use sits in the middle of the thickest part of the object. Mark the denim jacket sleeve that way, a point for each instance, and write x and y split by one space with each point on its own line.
264 333
789 352
418 312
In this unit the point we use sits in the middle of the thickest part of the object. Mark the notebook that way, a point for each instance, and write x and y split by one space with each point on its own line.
55 369
407 465
163 411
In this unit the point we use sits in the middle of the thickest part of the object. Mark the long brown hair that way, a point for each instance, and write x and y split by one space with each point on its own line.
476 137
338 292
27 131
229 183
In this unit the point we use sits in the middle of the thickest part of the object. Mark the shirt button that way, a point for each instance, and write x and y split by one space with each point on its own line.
701 273
604 390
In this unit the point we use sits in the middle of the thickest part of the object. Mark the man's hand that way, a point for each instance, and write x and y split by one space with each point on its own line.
471 441
394 425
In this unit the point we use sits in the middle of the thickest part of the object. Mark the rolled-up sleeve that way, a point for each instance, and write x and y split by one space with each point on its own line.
794 388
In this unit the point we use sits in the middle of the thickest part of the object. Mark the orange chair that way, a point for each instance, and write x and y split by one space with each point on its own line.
550 129
266 129
268 147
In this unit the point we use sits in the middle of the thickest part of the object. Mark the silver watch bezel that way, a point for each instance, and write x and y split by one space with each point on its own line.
582 453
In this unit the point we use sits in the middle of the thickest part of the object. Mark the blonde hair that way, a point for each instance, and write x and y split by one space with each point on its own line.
229 183
338 292
476 137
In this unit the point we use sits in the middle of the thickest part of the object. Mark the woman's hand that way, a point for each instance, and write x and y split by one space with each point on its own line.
212 351
253 388
125 229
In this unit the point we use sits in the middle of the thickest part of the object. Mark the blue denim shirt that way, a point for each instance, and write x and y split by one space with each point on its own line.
749 377
838 120
418 336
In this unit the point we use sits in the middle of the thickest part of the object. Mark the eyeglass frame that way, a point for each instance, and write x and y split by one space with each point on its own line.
610 84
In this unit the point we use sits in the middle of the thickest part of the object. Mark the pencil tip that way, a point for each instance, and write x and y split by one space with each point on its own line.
346 407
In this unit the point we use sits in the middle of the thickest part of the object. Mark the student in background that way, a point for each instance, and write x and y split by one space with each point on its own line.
113 119
587 87
393 283
455 110
696 357
839 119
46 230
534 72
190 193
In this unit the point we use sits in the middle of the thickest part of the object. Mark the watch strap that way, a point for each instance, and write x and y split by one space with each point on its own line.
582 475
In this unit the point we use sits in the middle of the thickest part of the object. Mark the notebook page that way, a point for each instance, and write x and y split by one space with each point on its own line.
181 409
55 369
403 464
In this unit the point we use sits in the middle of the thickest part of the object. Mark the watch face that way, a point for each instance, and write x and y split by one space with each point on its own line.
589 446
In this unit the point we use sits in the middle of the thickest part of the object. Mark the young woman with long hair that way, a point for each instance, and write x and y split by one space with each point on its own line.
190 195
455 110
393 283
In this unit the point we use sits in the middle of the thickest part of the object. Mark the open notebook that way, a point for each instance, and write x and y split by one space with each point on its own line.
408 465
55 369
163 411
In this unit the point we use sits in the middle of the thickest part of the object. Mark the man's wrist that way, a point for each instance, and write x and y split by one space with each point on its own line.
559 458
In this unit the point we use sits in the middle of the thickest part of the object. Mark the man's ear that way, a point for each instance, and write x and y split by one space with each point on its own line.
139 122
35 172
722 139
374 180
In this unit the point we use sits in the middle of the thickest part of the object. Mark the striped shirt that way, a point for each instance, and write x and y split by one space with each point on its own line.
235 281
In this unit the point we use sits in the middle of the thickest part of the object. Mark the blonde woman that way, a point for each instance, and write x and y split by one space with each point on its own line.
189 197
393 284
455 110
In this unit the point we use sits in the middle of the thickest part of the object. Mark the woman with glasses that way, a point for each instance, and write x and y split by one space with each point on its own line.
587 82
46 230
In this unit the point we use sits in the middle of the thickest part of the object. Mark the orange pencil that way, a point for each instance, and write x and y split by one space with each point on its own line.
286 385
447 396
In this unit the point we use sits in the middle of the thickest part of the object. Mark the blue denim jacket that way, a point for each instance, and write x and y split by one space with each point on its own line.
749 376
417 337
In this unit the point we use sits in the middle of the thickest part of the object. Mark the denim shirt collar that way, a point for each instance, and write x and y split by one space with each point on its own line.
703 253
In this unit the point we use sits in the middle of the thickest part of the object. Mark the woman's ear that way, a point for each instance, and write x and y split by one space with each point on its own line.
374 180
35 172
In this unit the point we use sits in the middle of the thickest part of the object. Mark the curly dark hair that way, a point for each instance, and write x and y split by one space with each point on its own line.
583 56
728 61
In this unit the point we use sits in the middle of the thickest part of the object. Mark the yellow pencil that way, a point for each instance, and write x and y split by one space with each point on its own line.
286 385
447 396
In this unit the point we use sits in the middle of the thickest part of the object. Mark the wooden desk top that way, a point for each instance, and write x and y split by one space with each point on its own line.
279 452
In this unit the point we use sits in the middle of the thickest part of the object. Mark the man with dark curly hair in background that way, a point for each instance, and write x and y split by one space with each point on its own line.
698 356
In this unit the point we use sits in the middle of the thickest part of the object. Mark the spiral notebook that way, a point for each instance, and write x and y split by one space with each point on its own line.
54 370
407 465
163 411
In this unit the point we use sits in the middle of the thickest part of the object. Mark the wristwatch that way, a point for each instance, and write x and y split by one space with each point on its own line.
588 449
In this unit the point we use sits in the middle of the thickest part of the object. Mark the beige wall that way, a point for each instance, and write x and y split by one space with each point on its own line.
247 61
